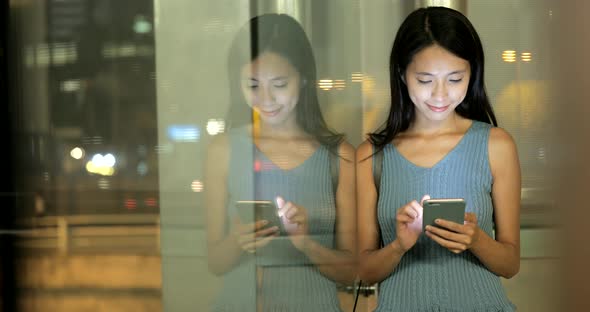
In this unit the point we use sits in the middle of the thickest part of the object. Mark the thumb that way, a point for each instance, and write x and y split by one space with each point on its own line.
425 197
280 202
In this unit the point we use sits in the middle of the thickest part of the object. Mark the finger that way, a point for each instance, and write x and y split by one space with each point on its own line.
470 217
409 210
455 227
284 209
251 227
267 231
280 201
416 207
261 242
448 235
298 218
445 243
292 212
260 224
245 239
404 218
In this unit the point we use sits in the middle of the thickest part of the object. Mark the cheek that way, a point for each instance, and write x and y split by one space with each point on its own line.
288 97
418 94
460 93
250 97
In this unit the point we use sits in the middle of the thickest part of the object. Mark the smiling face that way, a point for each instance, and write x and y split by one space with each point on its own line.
271 86
437 82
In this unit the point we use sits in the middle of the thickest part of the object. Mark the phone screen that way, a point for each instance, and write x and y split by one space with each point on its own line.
450 209
255 210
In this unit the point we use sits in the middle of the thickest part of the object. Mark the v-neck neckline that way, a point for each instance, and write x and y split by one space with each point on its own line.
444 158
274 164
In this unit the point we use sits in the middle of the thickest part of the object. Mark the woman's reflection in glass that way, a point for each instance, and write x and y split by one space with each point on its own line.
279 149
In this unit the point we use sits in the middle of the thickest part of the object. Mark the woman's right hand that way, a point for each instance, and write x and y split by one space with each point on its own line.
255 235
409 223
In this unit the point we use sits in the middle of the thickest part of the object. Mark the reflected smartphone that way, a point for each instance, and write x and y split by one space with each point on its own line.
451 209
251 211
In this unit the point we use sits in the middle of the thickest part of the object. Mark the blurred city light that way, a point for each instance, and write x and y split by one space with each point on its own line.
184 133
526 56
197 186
70 85
103 165
326 84
141 25
356 77
130 203
150 202
509 56
77 153
109 160
142 168
339 84
215 126
104 184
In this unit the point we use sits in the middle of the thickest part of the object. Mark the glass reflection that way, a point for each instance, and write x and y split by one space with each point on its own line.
280 183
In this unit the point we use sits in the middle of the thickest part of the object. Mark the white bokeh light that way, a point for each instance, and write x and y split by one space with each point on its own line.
109 160
77 153
215 126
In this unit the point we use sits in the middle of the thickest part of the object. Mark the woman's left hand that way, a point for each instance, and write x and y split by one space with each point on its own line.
294 220
455 237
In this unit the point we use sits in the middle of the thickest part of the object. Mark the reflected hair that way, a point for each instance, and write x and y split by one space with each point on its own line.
452 31
283 35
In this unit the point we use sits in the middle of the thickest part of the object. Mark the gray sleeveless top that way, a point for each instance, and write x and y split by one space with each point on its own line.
430 277
290 282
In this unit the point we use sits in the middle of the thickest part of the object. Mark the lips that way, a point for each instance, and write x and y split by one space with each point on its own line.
269 113
438 109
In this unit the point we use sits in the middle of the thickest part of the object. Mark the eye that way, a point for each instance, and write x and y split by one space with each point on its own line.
424 81
251 85
280 84
456 80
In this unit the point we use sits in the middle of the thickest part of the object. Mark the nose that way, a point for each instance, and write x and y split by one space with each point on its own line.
266 97
439 92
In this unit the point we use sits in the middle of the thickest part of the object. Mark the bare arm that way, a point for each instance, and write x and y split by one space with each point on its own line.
339 264
223 249
375 263
500 255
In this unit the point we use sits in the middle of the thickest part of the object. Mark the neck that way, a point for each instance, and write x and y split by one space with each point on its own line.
283 131
429 127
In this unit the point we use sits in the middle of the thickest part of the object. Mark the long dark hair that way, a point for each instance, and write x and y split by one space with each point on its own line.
281 34
422 28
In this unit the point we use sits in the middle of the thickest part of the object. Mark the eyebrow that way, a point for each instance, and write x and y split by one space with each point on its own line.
452 73
275 78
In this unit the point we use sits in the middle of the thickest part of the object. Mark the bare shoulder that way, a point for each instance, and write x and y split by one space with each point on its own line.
501 142
503 154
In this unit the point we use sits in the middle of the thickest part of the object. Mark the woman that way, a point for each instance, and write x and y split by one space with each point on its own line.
440 141
278 149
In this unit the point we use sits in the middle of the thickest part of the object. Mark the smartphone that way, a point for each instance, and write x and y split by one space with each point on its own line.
450 209
251 211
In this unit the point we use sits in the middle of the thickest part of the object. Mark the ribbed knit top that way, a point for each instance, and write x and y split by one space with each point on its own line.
290 282
430 277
